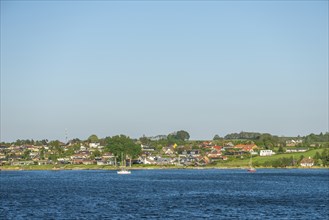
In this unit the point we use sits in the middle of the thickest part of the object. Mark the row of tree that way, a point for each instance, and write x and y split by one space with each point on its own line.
179 137
270 141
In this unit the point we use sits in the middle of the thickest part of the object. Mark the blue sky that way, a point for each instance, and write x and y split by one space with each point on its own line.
141 67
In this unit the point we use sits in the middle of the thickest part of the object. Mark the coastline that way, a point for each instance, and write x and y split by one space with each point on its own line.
104 167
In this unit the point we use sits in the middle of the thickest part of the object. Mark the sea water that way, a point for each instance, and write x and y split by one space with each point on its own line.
165 194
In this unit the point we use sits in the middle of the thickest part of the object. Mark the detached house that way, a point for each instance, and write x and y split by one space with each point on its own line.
264 153
307 162
246 147
168 150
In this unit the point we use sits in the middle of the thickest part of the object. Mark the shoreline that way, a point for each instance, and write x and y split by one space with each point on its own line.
110 168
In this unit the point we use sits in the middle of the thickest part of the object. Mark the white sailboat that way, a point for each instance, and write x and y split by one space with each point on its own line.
123 169
251 169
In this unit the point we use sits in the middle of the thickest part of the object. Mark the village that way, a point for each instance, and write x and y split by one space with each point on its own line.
186 154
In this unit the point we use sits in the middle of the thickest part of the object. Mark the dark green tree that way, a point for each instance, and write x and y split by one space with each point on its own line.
26 155
325 157
182 135
93 138
95 154
301 158
216 137
42 153
144 140
122 144
280 150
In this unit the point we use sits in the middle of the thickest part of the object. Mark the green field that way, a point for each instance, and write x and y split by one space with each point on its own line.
257 160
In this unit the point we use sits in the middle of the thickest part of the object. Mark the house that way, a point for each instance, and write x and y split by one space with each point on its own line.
201 161
293 150
146 148
77 161
64 160
194 152
264 153
168 150
292 143
218 148
246 147
107 155
2 156
44 162
229 145
94 145
307 162
88 162
103 162
215 154
187 160
163 161
148 160
28 162
206 144
79 156
33 154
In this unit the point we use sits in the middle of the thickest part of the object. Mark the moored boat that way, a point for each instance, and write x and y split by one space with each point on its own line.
251 169
123 171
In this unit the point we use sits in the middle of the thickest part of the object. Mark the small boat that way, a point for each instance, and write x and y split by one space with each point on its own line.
251 169
123 169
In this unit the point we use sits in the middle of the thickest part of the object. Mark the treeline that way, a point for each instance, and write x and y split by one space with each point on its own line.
243 135
263 139
311 138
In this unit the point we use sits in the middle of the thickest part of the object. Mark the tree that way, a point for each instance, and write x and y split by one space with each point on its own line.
95 154
42 153
280 150
325 157
93 138
178 136
144 140
301 158
26 155
182 135
75 141
56 148
123 144
216 137
317 155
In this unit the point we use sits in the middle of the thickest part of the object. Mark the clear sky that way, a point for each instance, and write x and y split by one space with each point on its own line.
142 67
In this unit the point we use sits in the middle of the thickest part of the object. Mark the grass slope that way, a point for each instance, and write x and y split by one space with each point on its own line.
244 162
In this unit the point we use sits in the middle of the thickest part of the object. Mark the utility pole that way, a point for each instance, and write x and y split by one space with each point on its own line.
66 138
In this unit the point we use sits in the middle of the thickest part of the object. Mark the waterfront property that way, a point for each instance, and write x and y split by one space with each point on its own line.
307 162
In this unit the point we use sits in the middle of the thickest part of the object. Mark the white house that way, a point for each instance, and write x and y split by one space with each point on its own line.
94 145
307 162
264 153
296 150
149 160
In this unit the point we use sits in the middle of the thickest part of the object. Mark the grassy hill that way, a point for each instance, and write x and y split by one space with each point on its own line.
258 160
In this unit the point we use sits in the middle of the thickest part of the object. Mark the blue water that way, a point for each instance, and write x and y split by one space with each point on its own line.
165 194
